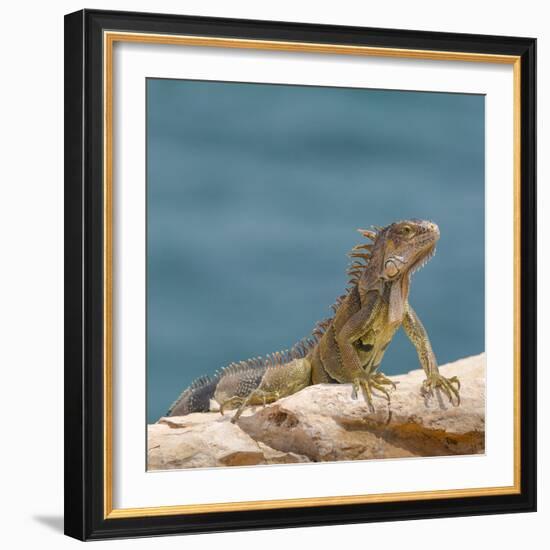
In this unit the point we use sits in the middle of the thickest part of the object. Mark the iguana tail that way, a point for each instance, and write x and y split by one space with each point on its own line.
240 380
233 384
195 398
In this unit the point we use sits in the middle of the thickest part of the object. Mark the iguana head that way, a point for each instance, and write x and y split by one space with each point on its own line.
408 245
396 251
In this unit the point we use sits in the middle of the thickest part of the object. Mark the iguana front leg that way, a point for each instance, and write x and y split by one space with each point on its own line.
419 337
350 368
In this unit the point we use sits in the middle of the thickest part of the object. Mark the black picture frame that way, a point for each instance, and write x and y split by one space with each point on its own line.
85 517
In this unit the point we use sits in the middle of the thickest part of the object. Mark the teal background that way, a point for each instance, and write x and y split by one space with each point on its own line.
254 192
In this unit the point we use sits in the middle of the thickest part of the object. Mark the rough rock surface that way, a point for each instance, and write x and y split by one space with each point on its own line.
323 423
203 440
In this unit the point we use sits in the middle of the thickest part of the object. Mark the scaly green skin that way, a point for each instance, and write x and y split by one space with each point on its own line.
348 347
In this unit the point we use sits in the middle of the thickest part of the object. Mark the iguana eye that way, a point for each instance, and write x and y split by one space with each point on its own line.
406 230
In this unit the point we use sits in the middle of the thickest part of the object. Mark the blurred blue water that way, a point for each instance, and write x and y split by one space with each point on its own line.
254 193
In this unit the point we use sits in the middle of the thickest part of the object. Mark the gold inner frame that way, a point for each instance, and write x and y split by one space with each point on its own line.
109 39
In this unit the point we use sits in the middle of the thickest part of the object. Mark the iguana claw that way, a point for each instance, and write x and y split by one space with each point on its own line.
436 380
381 378
369 382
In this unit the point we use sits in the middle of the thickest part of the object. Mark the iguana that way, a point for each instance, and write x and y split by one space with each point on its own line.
349 346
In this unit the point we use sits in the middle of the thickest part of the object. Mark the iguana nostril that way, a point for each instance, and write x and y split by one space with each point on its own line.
434 228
